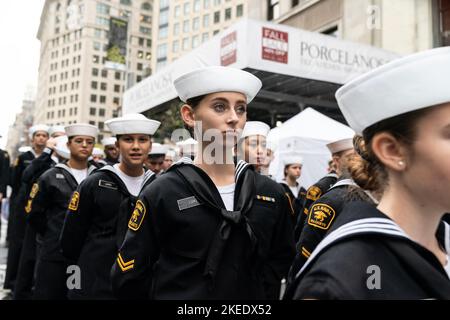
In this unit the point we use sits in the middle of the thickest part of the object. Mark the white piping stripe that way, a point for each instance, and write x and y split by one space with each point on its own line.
380 225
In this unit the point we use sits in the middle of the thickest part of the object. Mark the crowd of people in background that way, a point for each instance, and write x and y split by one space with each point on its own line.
203 219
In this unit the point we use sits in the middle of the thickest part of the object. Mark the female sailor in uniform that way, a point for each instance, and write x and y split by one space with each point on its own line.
399 249
207 228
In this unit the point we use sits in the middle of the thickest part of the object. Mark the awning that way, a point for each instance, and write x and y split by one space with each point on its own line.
298 69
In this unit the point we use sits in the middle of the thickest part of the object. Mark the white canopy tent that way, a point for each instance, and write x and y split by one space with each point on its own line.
307 133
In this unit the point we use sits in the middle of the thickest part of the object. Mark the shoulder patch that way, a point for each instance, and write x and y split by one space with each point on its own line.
321 216
59 176
313 193
107 184
34 190
73 205
137 216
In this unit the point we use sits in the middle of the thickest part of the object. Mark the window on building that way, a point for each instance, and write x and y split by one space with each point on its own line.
116 88
217 17
97 46
102 21
195 41
185 43
139 66
92 122
176 29
95 72
161 52
103 8
186 26
96 59
196 5
273 9
92 111
145 30
163 32
101 125
146 6
148 56
177 11
163 17
206 4
94 84
140 54
163 4
102 99
196 23
146 19
101 112
149 43
103 86
217 2
175 46
139 78
186 8
141 42
104 73
295 2
125 2
116 102
227 14
93 98
117 75
206 21
215 32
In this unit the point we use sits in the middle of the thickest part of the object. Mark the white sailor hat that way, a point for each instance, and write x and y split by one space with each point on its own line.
340 145
81 129
36 128
188 146
254 128
97 152
158 149
55 129
217 79
132 123
61 147
109 141
171 154
291 158
24 149
411 83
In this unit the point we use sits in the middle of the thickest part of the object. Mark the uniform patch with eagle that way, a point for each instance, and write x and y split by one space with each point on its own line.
313 193
137 216
321 216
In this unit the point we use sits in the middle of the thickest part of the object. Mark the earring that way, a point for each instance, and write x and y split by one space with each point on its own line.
401 163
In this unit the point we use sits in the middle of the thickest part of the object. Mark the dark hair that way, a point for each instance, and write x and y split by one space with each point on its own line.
193 103
368 172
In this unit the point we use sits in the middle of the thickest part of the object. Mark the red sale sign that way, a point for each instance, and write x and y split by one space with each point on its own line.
228 49
275 45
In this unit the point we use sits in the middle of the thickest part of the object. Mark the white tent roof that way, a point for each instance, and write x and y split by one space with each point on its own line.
311 131
311 124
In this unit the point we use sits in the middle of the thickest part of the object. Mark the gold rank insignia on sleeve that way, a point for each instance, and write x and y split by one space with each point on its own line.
137 216
313 193
321 215
265 198
34 190
28 206
124 266
73 205
305 252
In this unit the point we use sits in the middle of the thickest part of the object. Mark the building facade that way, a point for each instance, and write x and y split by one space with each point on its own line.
75 83
401 26
18 133
182 25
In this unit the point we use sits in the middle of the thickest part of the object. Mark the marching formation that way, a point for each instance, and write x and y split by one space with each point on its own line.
203 219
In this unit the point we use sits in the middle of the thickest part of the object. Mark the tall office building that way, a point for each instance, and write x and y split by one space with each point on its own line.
182 25
91 51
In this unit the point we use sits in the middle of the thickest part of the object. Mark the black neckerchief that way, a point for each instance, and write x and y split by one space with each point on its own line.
201 185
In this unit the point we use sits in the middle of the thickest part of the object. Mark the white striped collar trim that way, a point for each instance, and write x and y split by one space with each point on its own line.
241 165
368 225
344 182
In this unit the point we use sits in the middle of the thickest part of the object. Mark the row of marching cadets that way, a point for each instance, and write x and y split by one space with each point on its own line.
213 225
